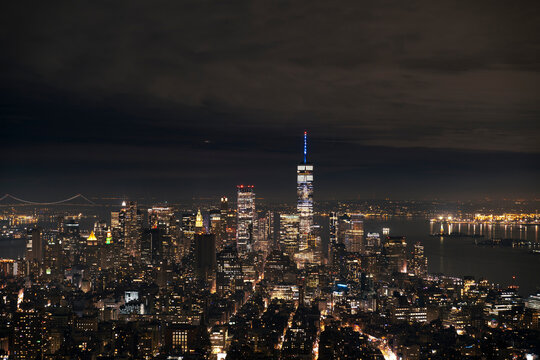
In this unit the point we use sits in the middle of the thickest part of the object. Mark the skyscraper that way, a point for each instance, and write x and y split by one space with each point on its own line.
288 237
343 227
229 277
199 223
34 247
130 220
152 245
419 261
162 218
354 237
216 227
246 217
205 254
304 178
228 219
395 251
187 234
333 226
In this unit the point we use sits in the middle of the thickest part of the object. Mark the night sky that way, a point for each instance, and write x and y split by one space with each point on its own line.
401 99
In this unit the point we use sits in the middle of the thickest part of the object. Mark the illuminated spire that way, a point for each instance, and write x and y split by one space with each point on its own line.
92 240
199 222
305 147
108 239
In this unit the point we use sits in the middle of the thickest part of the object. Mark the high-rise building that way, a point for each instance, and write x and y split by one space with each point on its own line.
246 218
344 225
372 244
34 246
289 233
264 231
130 220
152 245
162 218
91 253
199 223
216 227
333 227
354 236
187 234
205 254
419 261
229 276
395 250
304 182
228 219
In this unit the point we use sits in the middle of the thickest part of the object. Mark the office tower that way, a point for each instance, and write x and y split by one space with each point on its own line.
205 254
246 217
34 246
228 219
333 227
216 227
354 236
264 231
52 257
373 243
315 244
395 251
131 223
304 178
152 245
289 233
344 225
162 218
226 222
115 219
419 261
229 276
91 253
187 234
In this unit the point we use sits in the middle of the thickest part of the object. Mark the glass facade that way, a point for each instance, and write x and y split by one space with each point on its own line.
246 217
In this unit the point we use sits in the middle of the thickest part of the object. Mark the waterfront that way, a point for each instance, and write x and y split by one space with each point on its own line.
456 256
459 256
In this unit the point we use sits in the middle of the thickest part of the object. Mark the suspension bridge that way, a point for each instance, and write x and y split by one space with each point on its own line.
10 200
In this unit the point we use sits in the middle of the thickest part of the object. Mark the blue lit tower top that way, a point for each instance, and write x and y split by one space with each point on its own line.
305 147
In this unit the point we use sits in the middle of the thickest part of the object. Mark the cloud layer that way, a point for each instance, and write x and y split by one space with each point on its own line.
220 85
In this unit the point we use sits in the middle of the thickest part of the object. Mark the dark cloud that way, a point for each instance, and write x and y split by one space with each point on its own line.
206 92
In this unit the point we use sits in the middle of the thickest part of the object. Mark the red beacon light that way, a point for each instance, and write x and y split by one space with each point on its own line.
245 186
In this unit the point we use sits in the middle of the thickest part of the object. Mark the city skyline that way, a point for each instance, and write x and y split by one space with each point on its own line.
243 180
